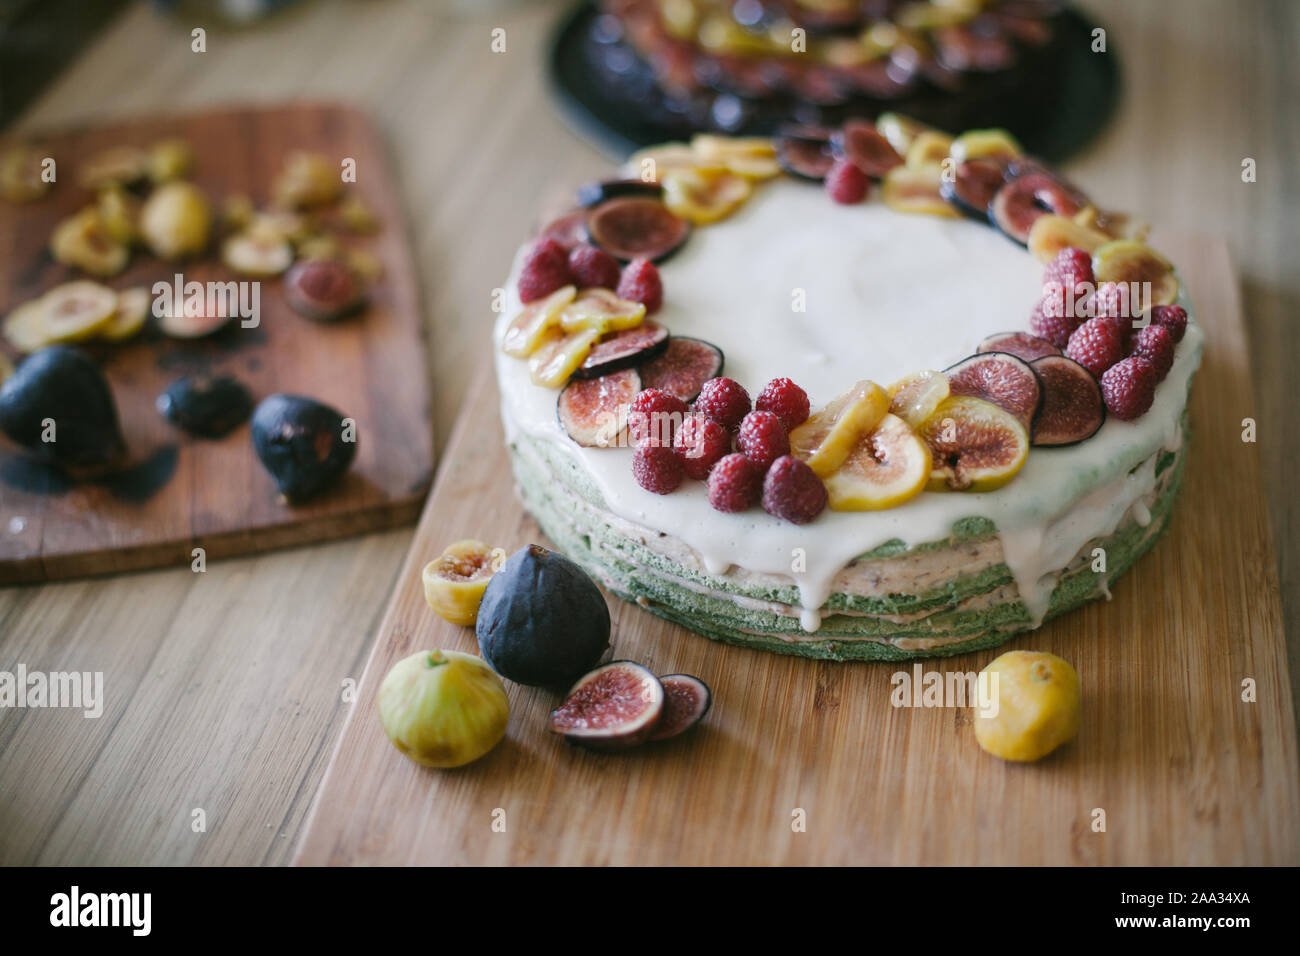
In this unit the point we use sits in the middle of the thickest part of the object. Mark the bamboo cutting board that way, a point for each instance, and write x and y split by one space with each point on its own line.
178 492
1185 771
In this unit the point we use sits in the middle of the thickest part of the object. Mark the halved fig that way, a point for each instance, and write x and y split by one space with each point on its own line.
1051 233
634 227
704 196
624 349
805 152
1127 261
257 254
323 289
1021 202
77 310
593 194
888 466
24 327
615 707
601 310
593 411
973 186
84 240
1073 408
862 144
526 330
558 356
683 368
454 581
569 230
829 436
984 144
974 445
130 316
1000 378
686 700
916 190
1022 345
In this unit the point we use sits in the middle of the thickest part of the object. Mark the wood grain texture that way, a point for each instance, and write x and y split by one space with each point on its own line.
1184 769
219 496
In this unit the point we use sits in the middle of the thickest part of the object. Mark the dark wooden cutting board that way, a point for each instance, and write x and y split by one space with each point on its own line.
177 493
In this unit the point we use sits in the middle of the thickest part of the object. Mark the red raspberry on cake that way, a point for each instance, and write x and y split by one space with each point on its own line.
699 444
654 416
593 268
1155 343
724 400
793 491
656 468
1112 301
762 438
1071 269
1129 388
1171 317
786 400
545 269
735 484
1096 345
847 184
641 283
1055 328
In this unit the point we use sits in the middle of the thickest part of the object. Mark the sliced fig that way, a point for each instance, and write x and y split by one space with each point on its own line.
703 196
900 130
888 466
917 190
527 329
593 411
805 152
559 354
914 397
593 194
569 230
1022 345
985 144
1052 233
1130 261
1022 201
323 289
613 708
686 700
865 147
683 368
1001 378
634 227
601 310
1073 408
974 184
624 349
930 148
974 445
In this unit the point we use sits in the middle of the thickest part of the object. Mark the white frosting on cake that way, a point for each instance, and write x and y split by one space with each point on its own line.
884 293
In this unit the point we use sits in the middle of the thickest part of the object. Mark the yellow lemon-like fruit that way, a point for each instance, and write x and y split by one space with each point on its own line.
1037 706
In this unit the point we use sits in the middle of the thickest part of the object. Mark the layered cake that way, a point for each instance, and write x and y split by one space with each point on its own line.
865 393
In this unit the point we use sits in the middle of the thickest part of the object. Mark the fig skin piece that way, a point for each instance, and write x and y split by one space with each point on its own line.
686 700
1001 378
593 411
324 290
634 227
206 407
1019 204
1073 408
684 367
302 444
542 622
593 194
624 349
62 384
1022 345
615 707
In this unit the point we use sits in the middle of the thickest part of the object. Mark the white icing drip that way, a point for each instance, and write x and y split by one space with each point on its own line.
1141 513
887 293
810 619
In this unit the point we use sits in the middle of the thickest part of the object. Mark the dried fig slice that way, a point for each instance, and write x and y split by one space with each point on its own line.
985 144
929 148
1021 202
593 411
1130 261
601 310
974 184
1051 233
634 227
704 196
1073 409
686 700
865 147
974 445
900 130
1000 378
805 152
916 190
323 289
559 355
1022 345
888 466
593 194
615 707
526 330
914 397
683 368
829 436
624 349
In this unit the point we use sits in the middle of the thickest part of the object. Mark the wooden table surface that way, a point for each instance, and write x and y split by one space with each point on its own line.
225 690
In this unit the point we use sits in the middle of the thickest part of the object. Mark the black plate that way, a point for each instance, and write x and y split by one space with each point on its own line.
1054 120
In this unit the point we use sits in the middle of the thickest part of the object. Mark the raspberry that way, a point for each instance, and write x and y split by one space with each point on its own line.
793 491
1155 343
654 415
723 400
1096 345
593 268
698 445
786 400
1173 318
641 283
735 484
846 183
1113 300
1129 387
1071 269
1055 328
545 269
762 438
656 468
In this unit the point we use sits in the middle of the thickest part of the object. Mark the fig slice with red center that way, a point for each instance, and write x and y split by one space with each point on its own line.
1073 408
683 368
620 350
974 445
593 411
323 289
569 230
1020 344
974 184
686 700
636 227
865 147
805 152
1000 378
1018 205
593 194
615 707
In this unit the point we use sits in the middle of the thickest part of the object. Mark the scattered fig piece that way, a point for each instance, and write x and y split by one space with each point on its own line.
1022 345
805 152
914 397
454 581
974 445
634 227
21 174
1052 233
85 241
615 707
255 253
175 220
985 144
683 368
206 407
1073 408
593 194
865 147
1000 378
115 166
304 444
529 328
703 196
1022 201
177 324
686 700
916 190
620 350
76 310
975 182
1130 261
129 318
58 405
323 289
593 411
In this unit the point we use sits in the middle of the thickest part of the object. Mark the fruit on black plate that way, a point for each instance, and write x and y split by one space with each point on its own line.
1000 378
207 407
683 368
593 194
542 622
1020 344
615 707
620 350
1073 408
304 444
686 700
323 289
57 404
636 227
593 411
